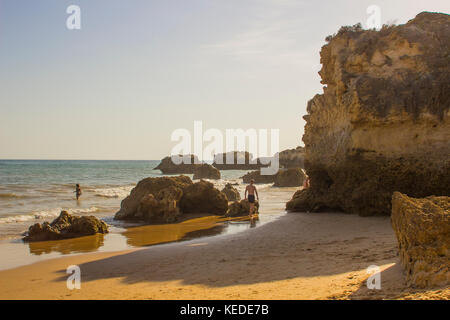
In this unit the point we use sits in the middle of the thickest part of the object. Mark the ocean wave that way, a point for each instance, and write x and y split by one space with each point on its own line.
45 214
115 192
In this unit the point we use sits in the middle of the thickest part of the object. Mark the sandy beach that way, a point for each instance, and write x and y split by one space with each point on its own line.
298 256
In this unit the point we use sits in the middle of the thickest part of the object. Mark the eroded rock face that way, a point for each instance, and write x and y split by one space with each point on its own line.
206 171
165 199
292 177
231 192
66 226
382 123
162 208
292 158
422 227
258 177
168 167
138 205
202 197
241 208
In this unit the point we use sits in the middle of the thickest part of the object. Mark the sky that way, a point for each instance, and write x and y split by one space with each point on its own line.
139 69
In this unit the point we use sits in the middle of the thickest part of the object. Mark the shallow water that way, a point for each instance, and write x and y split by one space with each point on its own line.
36 191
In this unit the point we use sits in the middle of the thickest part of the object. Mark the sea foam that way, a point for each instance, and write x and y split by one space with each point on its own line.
45 214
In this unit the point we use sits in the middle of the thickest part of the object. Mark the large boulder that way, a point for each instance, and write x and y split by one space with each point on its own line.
422 227
241 208
292 158
135 206
162 208
66 226
167 166
231 192
258 177
382 123
206 171
292 177
202 197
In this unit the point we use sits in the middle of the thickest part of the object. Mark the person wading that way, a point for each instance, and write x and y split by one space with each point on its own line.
77 191
251 191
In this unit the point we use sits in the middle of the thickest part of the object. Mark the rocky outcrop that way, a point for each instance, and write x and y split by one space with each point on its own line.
167 166
292 177
258 177
382 123
231 192
422 227
66 226
292 158
206 171
165 199
202 197
162 208
240 160
136 204
241 208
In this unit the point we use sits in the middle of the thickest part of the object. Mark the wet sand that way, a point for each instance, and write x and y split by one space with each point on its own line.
298 256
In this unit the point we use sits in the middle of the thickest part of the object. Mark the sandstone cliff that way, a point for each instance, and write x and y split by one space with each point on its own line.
382 123
422 227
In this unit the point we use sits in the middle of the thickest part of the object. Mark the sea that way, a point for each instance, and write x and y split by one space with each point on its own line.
34 191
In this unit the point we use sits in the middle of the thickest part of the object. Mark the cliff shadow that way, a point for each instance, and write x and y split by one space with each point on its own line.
295 245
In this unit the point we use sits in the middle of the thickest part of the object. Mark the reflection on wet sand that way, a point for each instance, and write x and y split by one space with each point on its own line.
147 235
67 246
186 230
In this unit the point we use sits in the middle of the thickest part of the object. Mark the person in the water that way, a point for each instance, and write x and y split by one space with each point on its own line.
77 191
251 190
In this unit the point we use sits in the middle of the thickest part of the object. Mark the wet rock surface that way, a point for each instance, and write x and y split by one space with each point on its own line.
66 226
231 192
241 208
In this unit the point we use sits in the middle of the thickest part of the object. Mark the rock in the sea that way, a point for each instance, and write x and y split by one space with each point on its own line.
422 227
203 197
258 177
168 167
383 121
66 226
236 160
292 177
241 208
138 205
206 171
231 192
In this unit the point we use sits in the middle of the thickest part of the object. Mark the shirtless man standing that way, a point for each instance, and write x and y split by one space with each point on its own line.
251 190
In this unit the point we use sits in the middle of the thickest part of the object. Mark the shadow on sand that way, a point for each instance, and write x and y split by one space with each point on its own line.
296 245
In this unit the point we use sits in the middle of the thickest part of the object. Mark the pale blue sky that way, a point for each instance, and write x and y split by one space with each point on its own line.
137 70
